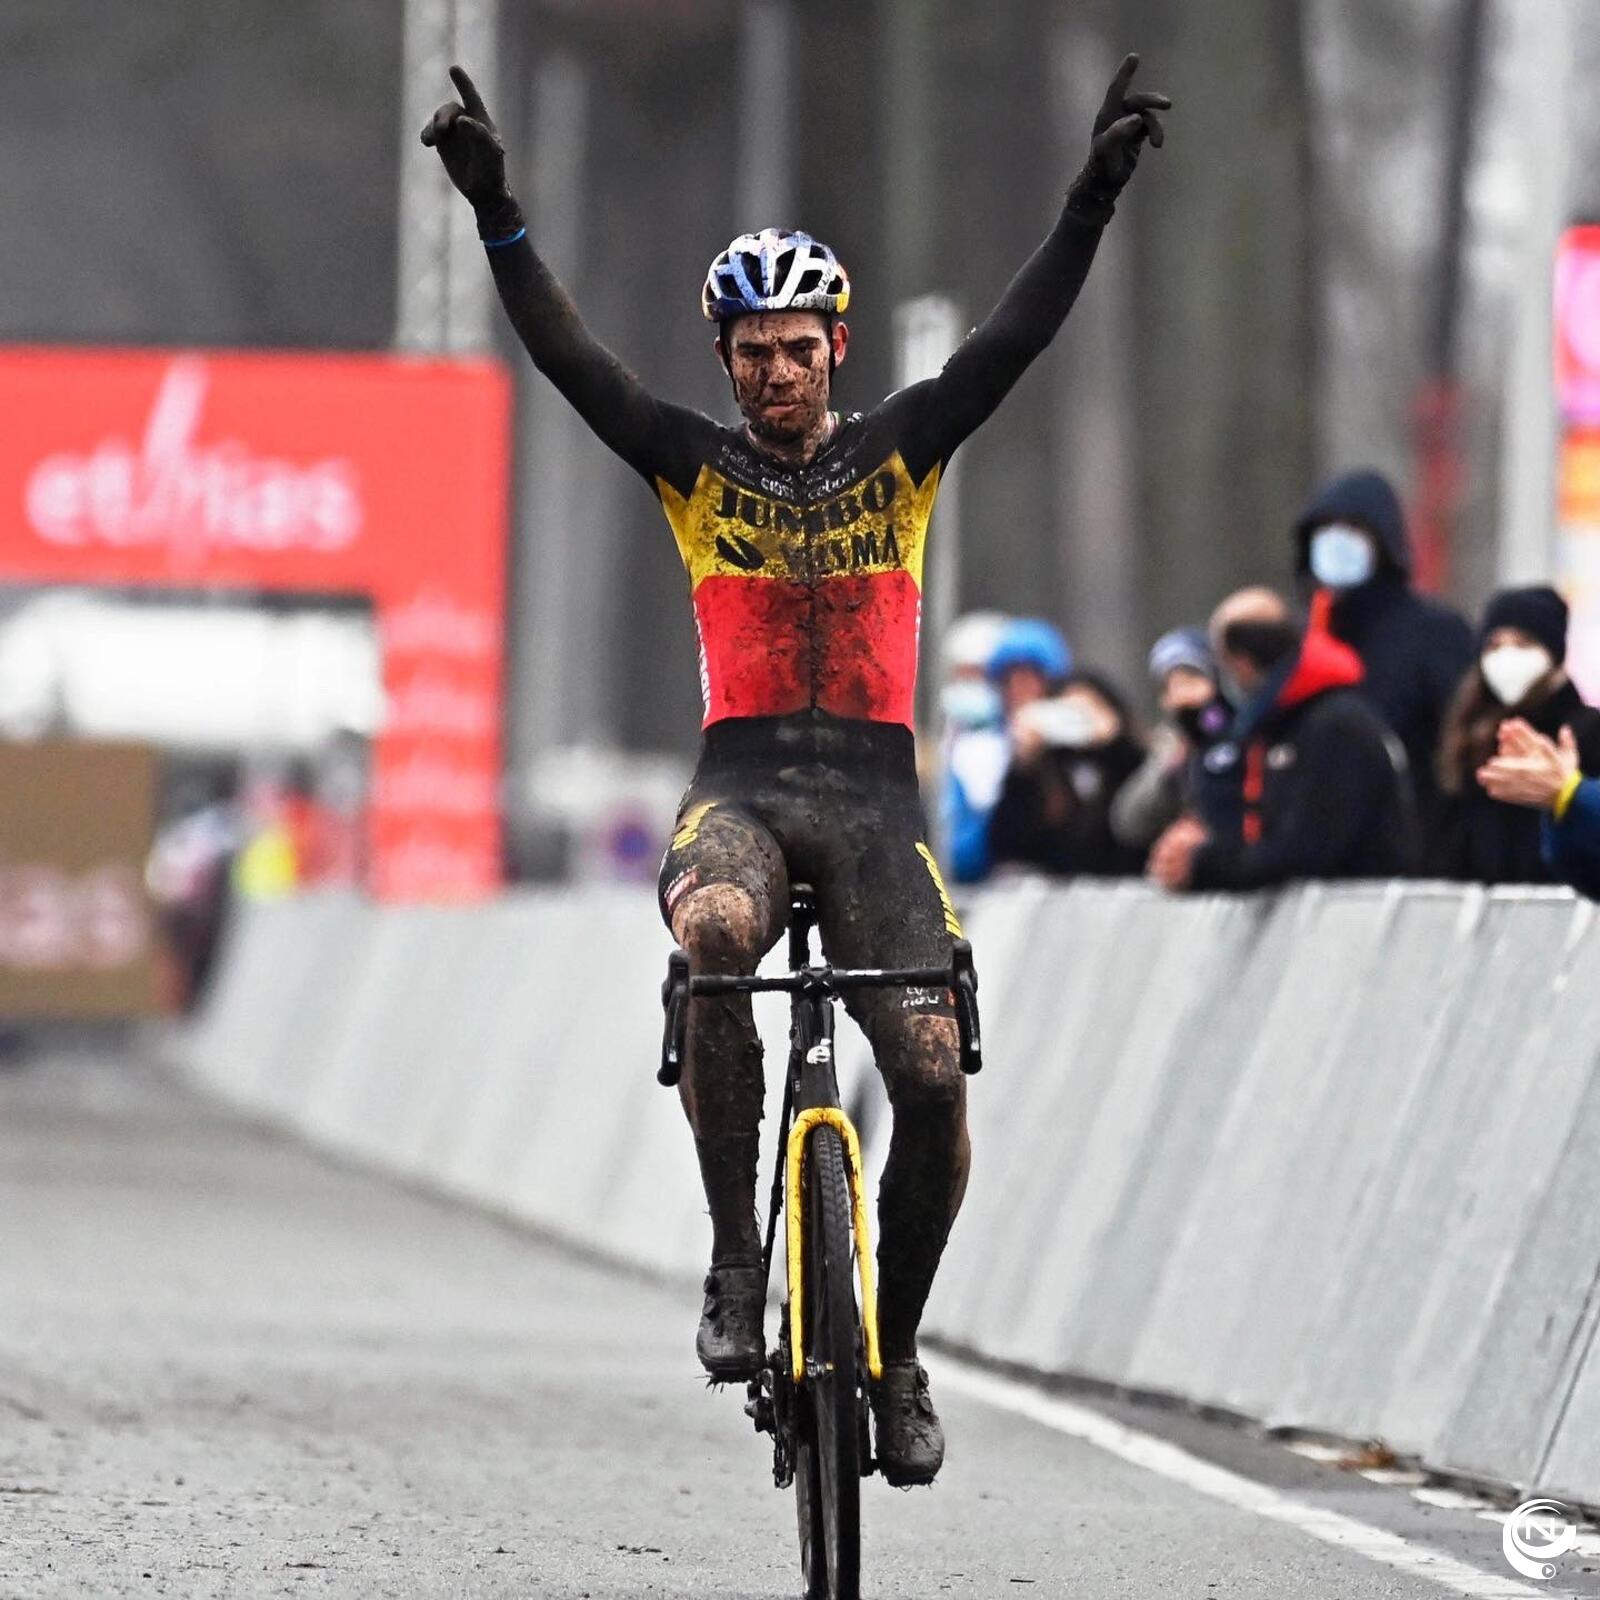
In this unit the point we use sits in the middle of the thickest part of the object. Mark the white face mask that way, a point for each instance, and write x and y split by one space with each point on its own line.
1511 670
1342 557
971 703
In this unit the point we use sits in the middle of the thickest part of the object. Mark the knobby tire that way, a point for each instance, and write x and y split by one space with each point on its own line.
828 1475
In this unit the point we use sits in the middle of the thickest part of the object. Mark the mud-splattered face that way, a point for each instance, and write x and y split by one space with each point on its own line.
782 373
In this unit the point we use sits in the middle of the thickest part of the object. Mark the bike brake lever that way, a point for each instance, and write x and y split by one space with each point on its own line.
964 989
674 1001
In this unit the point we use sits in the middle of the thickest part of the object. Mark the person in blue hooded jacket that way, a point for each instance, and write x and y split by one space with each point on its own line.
974 749
1351 540
996 666
1543 774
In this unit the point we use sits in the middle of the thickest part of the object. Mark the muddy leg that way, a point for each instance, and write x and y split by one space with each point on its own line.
724 929
926 1173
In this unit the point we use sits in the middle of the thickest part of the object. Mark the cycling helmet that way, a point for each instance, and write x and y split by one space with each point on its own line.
774 270
1032 642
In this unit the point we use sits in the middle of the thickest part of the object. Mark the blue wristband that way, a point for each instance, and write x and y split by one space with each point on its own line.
500 244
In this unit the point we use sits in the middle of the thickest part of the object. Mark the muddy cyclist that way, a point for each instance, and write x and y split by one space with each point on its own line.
801 532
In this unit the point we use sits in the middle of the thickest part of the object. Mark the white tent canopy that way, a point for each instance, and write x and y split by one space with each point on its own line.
188 676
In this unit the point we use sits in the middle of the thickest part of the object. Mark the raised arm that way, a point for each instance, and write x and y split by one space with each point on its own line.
944 410
645 432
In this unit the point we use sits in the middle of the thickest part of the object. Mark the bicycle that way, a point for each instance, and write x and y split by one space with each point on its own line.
811 1395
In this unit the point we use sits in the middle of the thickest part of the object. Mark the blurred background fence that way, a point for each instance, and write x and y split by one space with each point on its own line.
1323 1159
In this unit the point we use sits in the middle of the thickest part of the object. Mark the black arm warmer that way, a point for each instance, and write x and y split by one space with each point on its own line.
648 434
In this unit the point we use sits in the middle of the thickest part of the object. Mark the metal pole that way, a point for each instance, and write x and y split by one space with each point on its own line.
442 287
766 114
909 110
926 333
1542 42
1437 418
556 691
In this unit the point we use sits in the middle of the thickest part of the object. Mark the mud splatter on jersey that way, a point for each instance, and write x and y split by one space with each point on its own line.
807 594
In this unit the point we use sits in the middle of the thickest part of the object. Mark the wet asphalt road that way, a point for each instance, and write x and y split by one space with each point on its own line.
230 1369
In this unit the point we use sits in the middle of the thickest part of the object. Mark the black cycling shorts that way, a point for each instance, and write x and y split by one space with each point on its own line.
828 801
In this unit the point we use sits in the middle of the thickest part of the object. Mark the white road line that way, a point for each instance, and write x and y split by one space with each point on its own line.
1156 1455
1450 1499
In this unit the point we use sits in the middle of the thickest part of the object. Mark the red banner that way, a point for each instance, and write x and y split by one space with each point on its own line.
299 473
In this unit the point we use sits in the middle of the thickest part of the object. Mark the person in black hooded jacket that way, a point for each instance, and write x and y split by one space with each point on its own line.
1351 540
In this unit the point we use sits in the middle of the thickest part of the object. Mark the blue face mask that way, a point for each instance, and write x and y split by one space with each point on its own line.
1342 557
971 703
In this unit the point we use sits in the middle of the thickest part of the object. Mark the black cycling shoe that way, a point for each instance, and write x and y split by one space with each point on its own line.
909 1439
732 1342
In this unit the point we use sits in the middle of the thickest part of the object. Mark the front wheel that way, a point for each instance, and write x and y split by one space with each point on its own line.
828 1457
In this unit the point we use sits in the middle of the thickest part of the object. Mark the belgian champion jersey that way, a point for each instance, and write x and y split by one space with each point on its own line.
806 580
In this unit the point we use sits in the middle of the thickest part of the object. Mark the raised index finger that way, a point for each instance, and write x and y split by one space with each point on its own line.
470 97
1130 65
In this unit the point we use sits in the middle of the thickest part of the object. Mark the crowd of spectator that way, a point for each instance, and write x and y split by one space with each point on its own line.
1359 729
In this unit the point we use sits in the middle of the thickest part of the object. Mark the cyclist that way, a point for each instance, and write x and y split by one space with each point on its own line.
802 534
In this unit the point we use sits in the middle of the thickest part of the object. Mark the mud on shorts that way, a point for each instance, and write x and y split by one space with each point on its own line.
827 801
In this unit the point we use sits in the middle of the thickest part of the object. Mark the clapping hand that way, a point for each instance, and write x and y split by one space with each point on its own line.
1529 769
1172 858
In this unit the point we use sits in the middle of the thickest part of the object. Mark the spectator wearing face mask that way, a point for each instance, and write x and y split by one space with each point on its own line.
1308 784
1521 673
1544 774
1351 541
1071 753
1194 716
975 749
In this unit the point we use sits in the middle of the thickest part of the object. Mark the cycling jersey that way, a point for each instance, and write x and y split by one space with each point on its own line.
806 580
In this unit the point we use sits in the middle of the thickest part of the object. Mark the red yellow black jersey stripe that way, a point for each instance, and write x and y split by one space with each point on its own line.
805 601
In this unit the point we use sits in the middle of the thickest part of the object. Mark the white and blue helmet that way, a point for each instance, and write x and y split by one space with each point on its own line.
774 270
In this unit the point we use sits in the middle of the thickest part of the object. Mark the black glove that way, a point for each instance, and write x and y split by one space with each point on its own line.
470 147
1122 124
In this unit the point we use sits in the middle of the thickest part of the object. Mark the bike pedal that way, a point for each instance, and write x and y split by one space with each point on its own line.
759 1405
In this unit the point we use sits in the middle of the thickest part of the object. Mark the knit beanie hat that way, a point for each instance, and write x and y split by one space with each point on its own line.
1537 611
1182 647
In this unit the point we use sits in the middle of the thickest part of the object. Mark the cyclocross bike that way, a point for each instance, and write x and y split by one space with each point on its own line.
811 1395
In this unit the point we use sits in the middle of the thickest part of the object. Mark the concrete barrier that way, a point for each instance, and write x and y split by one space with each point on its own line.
1324 1159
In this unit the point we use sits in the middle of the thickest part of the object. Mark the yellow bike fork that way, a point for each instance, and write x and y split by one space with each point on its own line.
794 1157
